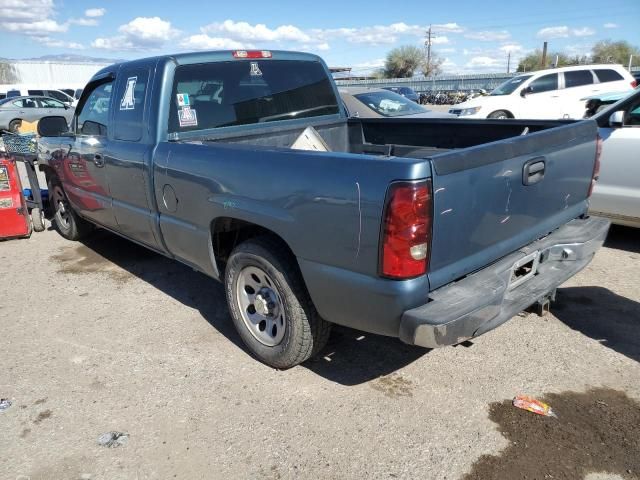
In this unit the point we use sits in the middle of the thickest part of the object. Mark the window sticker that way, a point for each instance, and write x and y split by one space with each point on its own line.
4 180
183 99
255 70
187 117
128 99
6 202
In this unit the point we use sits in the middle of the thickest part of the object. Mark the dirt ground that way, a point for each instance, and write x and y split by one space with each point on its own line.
106 337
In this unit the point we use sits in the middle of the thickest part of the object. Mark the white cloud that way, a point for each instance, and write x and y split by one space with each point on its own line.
564 32
484 62
141 33
440 40
95 12
56 43
323 46
205 42
84 22
36 28
448 27
583 32
25 10
611 25
243 31
513 48
489 36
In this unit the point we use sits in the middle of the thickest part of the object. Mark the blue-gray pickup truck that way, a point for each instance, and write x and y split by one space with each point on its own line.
431 230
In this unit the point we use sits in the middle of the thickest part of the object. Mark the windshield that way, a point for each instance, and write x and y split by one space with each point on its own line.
510 85
222 94
389 104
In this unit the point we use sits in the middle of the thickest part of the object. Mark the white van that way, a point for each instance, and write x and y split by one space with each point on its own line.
547 94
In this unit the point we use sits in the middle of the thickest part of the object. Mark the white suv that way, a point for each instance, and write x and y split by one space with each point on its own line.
547 94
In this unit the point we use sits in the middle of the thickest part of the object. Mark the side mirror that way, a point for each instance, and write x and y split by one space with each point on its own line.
616 119
53 127
525 91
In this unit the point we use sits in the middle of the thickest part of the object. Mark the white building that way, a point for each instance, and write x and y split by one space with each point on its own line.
46 75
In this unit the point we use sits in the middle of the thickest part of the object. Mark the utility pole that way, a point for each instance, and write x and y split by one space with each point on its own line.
427 43
508 61
543 61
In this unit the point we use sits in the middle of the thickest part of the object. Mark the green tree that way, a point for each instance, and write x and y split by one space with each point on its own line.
532 61
607 51
403 62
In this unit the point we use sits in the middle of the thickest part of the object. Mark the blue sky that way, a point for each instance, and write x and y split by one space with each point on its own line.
471 36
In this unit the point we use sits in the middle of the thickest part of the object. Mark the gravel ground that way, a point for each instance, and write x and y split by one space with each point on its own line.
106 337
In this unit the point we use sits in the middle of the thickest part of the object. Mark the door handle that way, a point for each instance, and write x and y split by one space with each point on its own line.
98 160
533 171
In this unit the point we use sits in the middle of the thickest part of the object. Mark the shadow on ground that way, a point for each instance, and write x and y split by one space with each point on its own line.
624 238
597 312
350 358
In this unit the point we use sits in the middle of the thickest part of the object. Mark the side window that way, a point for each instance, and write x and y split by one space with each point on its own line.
608 75
18 104
58 96
50 103
35 92
545 83
129 106
632 116
94 116
25 103
577 78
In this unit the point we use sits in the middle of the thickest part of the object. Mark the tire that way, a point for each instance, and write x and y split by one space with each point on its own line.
14 125
65 220
37 218
270 306
500 114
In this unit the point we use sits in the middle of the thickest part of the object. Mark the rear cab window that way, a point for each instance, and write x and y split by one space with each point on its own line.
244 92
577 78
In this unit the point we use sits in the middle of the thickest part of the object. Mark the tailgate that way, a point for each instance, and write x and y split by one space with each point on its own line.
493 199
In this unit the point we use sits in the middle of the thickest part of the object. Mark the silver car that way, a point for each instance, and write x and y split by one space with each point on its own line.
30 108
617 192
377 102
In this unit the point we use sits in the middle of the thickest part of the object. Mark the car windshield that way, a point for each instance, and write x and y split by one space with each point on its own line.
389 104
510 85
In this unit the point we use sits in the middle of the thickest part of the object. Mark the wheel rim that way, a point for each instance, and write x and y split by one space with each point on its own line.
260 306
62 211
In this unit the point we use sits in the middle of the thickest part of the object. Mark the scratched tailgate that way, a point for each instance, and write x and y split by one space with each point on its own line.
492 199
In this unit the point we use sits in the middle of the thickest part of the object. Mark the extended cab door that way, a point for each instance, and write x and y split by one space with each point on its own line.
83 174
129 159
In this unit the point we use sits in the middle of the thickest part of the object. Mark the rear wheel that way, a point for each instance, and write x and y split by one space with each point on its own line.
499 114
65 220
14 125
270 306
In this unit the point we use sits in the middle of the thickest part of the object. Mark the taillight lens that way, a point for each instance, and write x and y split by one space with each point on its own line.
634 84
596 166
406 235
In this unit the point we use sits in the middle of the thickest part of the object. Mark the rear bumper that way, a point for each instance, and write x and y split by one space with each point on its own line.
482 301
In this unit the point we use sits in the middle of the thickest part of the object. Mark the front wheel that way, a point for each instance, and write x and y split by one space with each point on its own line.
65 220
270 306
499 114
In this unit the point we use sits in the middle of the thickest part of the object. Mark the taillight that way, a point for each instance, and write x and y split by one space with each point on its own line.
596 166
406 234
251 54
634 84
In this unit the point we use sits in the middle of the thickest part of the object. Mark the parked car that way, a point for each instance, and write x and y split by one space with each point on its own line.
617 193
405 92
51 93
16 109
431 230
378 102
547 94
597 103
